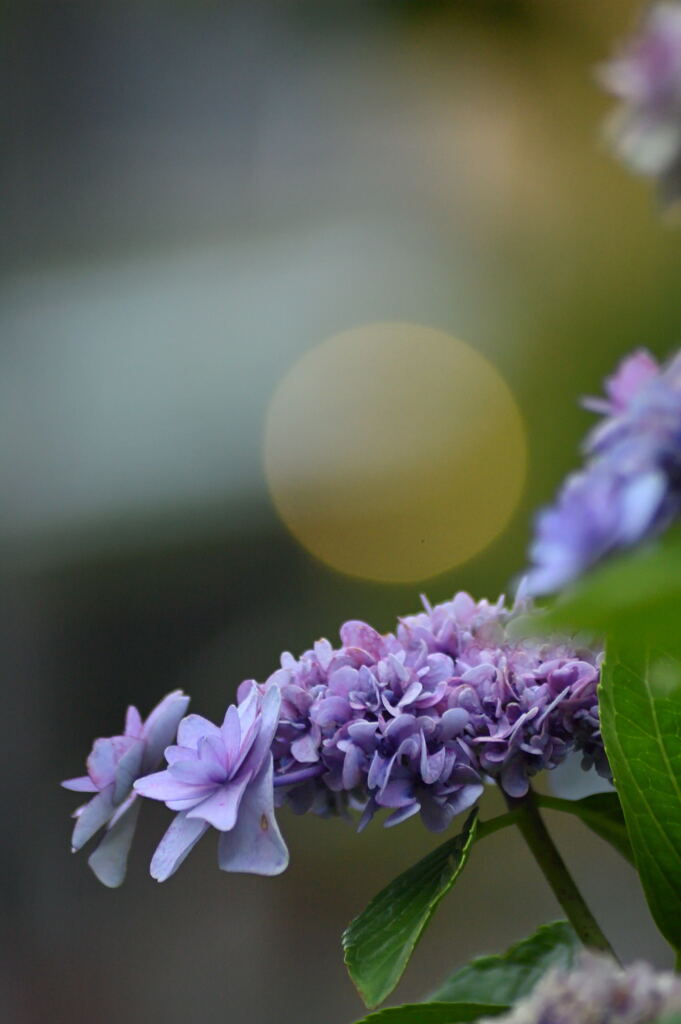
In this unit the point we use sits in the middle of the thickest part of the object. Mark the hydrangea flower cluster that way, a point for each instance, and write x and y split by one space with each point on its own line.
414 721
598 991
417 721
646 77
630 487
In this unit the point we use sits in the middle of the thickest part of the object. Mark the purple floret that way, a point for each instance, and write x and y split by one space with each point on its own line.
419 720
222 776
630 486
113 766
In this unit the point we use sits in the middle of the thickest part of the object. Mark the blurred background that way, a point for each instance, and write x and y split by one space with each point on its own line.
216 214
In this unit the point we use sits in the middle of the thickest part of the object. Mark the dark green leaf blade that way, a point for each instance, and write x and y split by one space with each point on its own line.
433 1013
602 813
508 976
640 708
379 943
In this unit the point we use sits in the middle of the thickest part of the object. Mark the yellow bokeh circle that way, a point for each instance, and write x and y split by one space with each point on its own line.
394 451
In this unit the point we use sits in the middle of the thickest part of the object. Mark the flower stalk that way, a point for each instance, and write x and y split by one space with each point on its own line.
554 869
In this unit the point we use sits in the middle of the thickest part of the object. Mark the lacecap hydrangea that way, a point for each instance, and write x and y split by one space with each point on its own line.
415 721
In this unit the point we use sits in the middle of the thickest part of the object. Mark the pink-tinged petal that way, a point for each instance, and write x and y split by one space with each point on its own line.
109 861
192 728
163 786
269 719
82 784
359 634
255 845
127 770
305 749
221 808
180 839
101 762
91 817
133 723
231 735
161 727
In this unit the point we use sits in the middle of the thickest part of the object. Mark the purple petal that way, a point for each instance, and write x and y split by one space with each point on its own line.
402 814
161 727
305 749
109 861
180 839
255 845
221 808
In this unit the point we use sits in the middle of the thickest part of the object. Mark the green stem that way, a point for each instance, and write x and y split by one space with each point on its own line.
488 828
678 962
535 834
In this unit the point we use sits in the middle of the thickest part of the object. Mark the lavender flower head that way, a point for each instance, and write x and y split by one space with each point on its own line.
222 776
646 77
113 765
630 487
418 720
598 991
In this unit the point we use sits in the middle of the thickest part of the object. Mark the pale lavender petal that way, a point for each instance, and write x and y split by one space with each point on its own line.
192 728
180 839
255 845
163 786
101 762
269 719
161 727
127 770
194 773
109 861
221 808
91 818
231 735
82 784
133 722
248 706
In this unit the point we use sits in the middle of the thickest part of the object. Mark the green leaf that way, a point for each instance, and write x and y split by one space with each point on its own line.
602 813
640 708
506 977
433 1013
380 941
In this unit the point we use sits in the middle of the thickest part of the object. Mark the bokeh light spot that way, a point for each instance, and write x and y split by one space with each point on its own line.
394 452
